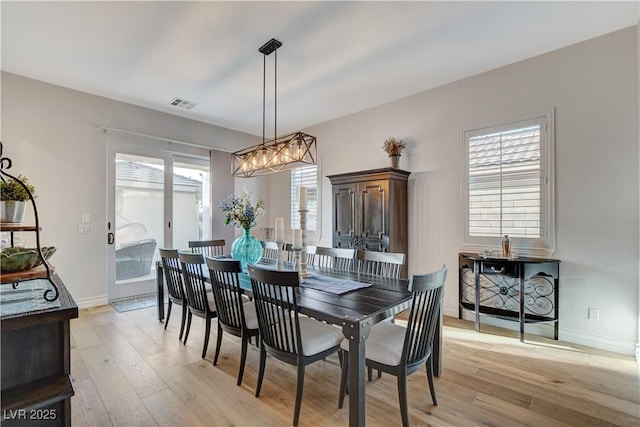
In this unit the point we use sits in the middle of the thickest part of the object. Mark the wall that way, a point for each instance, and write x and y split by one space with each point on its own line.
592 86
638 129
52 136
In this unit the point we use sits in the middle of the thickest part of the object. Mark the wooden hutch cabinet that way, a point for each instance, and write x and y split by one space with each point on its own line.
370 210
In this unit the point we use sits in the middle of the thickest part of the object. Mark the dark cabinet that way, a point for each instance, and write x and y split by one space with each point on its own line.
370 210
36 367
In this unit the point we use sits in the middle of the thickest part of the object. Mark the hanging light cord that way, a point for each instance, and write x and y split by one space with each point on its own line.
275 97
264 94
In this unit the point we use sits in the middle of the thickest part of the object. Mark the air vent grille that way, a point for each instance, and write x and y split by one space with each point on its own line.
182 103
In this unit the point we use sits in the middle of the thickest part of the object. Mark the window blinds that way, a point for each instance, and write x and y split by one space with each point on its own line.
304 177
505 183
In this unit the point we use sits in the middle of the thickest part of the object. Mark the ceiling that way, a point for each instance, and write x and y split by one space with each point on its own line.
337 58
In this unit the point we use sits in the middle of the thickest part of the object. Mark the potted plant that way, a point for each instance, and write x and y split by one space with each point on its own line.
393 147
14 194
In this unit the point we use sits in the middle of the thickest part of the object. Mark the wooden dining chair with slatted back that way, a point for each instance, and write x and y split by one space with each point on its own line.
399 350
269 250
200 302
236 315
208 247
335 258
289 253
386 264
175 287
284 334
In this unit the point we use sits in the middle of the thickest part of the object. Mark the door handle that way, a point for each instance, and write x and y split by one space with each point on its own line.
110 238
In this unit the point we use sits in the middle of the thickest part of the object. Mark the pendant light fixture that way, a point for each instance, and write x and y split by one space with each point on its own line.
280 153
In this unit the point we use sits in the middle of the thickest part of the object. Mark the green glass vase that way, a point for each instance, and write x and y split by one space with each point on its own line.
247 249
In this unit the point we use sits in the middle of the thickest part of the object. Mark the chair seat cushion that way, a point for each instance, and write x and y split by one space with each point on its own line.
318 336
384 344
250 316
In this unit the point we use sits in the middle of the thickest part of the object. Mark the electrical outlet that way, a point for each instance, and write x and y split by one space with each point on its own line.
593 314
86 217
84 228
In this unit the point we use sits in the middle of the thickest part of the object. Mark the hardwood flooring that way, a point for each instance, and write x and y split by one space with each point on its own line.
127 370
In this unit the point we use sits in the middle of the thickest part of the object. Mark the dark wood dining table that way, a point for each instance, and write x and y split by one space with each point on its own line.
355 312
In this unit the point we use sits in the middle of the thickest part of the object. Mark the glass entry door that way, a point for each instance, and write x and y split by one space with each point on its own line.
157 200
191 202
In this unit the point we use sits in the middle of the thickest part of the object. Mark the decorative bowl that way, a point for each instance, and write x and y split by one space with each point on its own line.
21 259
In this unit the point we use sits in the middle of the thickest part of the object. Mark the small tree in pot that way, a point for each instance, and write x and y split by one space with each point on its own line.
13 198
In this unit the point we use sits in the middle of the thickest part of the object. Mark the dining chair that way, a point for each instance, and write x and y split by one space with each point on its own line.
399 350
284 333
335 258
236 315
289 254
269 250
200 302
175 287
208 247
386 264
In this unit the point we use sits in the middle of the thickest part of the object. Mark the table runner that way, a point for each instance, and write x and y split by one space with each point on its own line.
332 285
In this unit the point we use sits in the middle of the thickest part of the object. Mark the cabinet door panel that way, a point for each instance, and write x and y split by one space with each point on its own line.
374 200
344 211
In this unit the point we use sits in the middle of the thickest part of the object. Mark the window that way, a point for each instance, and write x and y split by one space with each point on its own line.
305 177
508 185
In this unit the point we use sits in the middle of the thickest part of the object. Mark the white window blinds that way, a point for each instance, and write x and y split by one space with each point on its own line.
505 183
305 177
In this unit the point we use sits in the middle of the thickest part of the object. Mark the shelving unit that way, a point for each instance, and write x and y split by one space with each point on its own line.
36 310
45 270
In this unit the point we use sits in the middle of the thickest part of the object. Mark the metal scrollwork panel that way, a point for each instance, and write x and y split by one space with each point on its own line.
539 295
503 292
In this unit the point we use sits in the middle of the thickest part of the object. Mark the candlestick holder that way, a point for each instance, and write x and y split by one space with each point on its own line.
303 257
279 260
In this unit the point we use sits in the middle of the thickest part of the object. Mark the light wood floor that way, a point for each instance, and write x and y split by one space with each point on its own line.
127 370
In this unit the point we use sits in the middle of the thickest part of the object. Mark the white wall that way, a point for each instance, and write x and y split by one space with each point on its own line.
638 126
52 136
592 86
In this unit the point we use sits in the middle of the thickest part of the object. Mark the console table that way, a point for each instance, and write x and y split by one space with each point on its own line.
519 289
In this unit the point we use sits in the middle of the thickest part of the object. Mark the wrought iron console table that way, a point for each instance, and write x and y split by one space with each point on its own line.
522 289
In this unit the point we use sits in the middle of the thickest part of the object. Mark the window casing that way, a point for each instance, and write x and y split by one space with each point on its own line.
508 185
305 177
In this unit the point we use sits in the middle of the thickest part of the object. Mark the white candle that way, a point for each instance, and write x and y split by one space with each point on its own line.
279 229
303 198
297 238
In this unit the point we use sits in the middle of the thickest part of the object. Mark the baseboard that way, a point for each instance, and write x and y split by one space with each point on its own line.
92 301
605 343
571 336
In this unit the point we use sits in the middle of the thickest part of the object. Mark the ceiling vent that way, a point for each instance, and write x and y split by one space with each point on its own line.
182 103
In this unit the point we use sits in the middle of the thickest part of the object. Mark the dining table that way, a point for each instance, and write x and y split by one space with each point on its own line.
355 311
